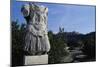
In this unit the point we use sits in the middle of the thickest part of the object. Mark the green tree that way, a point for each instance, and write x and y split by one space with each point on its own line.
57 51
17 37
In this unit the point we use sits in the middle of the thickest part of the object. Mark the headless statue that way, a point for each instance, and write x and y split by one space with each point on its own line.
36 39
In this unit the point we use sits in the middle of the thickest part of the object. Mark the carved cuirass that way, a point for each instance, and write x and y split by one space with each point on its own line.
36 40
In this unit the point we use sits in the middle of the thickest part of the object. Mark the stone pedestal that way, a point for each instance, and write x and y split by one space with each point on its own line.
34 60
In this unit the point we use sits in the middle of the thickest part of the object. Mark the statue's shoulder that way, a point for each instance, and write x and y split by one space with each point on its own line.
36 7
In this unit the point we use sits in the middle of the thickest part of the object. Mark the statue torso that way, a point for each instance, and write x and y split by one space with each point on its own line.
37 23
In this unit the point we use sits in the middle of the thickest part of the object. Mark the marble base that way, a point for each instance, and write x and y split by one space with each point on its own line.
34 60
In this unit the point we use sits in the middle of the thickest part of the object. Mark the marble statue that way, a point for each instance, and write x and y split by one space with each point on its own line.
36 39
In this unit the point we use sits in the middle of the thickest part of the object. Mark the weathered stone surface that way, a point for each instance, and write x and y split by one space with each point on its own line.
33 60
36 40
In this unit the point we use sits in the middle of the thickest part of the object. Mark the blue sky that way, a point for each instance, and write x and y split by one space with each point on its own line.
72 17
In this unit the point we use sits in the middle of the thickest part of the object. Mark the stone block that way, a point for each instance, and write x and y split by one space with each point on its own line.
34 60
